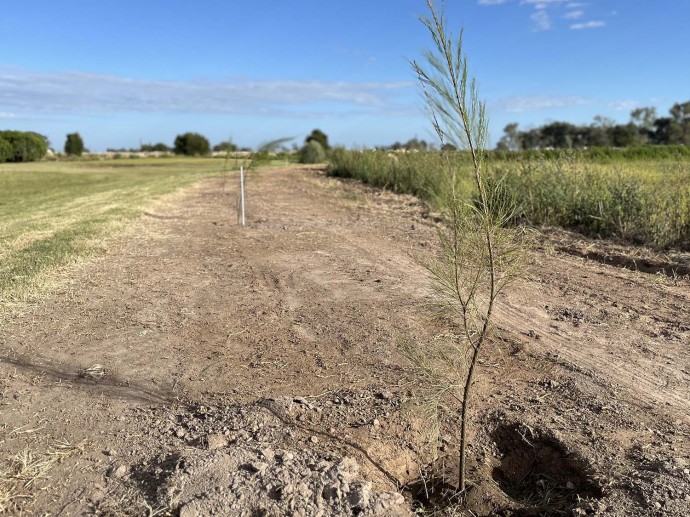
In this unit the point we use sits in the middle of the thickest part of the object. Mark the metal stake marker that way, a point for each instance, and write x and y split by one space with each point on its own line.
242 192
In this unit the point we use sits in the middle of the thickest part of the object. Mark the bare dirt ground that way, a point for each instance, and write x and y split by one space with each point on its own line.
256 371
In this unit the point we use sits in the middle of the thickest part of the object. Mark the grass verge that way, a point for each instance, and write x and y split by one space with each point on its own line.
53 214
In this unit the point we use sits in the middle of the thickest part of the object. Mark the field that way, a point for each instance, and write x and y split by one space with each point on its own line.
158 359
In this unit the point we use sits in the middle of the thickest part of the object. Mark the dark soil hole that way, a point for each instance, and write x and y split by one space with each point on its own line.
431 492
152 475
538 472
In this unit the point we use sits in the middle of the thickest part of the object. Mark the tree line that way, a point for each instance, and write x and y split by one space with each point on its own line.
644 128
27 146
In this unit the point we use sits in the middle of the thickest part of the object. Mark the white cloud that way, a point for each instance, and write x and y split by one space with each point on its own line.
541 20
595 24
524 103
545 11
623 105
5 115
543 2
78 92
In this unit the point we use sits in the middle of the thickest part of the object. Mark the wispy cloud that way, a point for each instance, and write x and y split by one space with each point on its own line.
520 104
594 24
545 11
543 2
77 92
542 20
623 105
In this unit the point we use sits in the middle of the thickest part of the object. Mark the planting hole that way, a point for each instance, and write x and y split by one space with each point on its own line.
431 492
539 472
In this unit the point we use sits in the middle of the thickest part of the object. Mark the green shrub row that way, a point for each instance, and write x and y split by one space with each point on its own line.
419 173
643 201
598 154
22 146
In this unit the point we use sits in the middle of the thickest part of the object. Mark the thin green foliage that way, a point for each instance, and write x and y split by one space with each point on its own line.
266 153
479 253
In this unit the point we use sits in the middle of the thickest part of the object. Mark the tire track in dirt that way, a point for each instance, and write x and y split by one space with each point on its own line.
609 351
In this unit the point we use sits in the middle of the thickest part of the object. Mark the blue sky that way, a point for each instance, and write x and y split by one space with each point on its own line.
127 72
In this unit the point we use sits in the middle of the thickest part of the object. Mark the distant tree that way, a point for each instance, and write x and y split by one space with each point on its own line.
22 146
643 118
625 135
680 114
192 144
225 147
415 144
320 137
643 127
510 141
667 132
74 145
159 147
603 122
530 139
5 150
558 134
448 147
596 136
312 152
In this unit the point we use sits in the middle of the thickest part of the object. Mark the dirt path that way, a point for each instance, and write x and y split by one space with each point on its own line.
284 335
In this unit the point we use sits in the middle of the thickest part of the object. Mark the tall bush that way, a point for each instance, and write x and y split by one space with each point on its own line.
312 152
320 137
192 144
74 145
22 146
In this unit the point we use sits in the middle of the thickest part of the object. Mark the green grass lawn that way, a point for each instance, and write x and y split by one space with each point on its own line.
55 213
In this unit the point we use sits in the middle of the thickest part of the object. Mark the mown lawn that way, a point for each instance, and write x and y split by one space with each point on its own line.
55 213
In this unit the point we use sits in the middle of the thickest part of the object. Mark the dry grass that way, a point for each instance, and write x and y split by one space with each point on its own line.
28 471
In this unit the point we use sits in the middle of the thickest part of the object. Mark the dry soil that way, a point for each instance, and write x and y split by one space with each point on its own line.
200 366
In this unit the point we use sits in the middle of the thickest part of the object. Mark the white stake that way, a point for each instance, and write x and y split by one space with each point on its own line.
242 192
